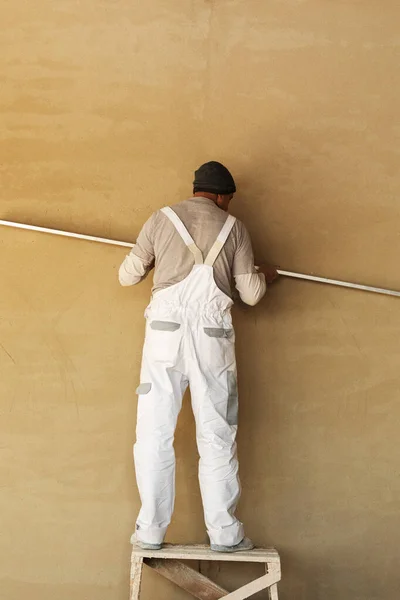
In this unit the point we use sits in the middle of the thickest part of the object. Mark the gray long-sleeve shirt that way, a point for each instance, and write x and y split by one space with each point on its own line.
160 245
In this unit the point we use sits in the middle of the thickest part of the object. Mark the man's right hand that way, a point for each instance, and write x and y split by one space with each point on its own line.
270 272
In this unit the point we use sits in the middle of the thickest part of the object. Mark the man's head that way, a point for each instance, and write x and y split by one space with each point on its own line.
213 180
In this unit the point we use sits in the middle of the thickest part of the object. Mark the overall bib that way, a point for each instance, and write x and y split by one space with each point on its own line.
189 341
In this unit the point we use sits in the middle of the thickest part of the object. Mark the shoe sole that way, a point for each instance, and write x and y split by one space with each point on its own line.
230 550
149 546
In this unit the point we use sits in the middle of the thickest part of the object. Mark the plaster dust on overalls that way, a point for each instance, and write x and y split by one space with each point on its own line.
189 341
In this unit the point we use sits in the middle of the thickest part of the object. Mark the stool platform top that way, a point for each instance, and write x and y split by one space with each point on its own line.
199 552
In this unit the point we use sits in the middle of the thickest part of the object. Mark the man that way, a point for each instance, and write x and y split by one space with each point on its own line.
197 251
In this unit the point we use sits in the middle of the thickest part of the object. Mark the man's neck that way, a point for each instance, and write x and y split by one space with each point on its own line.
207 195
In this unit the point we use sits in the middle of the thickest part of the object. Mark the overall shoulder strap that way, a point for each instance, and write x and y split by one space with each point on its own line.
185 235
220 241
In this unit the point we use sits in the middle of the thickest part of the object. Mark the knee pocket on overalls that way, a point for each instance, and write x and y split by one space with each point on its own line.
143 388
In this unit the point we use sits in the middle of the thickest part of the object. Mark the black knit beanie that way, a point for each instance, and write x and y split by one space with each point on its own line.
214 178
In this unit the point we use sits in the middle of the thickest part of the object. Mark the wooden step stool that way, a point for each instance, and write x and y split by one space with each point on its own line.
167 562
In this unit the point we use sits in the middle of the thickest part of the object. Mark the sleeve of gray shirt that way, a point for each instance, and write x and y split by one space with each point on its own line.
250 284
140 259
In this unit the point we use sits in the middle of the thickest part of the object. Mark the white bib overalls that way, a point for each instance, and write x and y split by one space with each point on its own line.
189 341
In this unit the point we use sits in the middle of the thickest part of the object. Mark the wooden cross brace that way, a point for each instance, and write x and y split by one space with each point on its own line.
168 563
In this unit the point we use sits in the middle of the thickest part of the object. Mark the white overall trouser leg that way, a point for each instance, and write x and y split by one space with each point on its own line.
215 406
158 411
189 340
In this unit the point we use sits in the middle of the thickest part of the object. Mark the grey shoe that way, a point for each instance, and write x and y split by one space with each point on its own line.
245 544
146 546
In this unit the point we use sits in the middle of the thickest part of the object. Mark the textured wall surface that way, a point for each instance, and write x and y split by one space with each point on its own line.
106 108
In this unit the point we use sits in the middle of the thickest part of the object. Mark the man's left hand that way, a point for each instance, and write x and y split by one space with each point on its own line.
270 272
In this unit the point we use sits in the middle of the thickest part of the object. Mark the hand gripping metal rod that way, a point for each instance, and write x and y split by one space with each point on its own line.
91 238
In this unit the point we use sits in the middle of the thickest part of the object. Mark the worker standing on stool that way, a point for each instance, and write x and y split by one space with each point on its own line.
197 252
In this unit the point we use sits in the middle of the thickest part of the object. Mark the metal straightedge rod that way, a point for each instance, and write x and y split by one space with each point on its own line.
346 284
79 236
91 238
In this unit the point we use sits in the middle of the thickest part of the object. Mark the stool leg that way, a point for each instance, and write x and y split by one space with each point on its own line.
273 592
136 577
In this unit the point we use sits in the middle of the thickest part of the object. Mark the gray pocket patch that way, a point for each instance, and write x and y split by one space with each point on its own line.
218 332
233 400
144 388
164 325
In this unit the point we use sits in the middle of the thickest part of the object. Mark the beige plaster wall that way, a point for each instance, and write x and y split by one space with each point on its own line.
106 108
